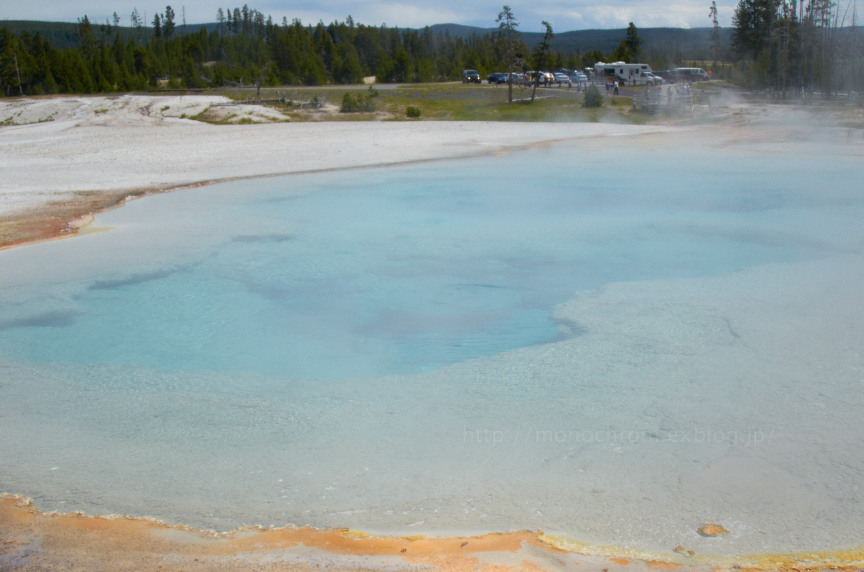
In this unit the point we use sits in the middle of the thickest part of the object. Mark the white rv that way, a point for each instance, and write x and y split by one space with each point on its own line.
628 74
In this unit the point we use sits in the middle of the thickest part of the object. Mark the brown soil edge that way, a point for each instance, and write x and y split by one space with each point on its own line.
57 219
32 540
71 211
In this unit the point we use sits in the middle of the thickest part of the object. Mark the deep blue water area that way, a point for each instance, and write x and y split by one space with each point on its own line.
383 271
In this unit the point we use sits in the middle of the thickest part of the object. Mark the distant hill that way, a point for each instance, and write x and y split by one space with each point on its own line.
659 39
675 43
60 34
65 34
668 40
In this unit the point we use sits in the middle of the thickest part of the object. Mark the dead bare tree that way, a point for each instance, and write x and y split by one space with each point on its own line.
18 73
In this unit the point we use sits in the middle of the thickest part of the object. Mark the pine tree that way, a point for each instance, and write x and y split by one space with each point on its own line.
633 42
138 24
715 31
542 51
220 18
509 36
168 23
86 41
10 69
753 20
157 27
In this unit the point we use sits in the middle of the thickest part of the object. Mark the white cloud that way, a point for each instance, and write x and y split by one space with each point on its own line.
406 15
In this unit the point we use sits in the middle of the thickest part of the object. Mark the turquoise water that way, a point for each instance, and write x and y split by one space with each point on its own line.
379 272
614 330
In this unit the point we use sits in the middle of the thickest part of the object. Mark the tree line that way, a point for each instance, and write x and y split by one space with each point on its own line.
785 44
799 45
243 48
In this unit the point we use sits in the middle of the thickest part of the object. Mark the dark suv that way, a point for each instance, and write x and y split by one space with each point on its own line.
469 76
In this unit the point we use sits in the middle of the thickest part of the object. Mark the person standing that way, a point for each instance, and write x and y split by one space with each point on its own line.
615 92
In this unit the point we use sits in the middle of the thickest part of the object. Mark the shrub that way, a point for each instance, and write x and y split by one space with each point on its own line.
413 111
360 102
349 104
593 97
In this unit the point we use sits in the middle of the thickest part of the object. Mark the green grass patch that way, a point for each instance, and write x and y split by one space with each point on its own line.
443 102
490 103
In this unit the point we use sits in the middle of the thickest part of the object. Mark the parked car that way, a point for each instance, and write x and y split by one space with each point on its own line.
692 74
517 78
578 77
562 78
653 79
470 76
546 78
497 77
669 75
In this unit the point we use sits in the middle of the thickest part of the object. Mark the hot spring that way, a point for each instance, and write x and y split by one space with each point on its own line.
615 339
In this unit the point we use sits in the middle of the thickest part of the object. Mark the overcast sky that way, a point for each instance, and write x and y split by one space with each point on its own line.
563 15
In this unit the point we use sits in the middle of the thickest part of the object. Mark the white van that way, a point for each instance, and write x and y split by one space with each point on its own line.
692 74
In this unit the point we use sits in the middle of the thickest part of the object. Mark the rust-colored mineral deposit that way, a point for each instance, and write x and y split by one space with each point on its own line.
712 529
